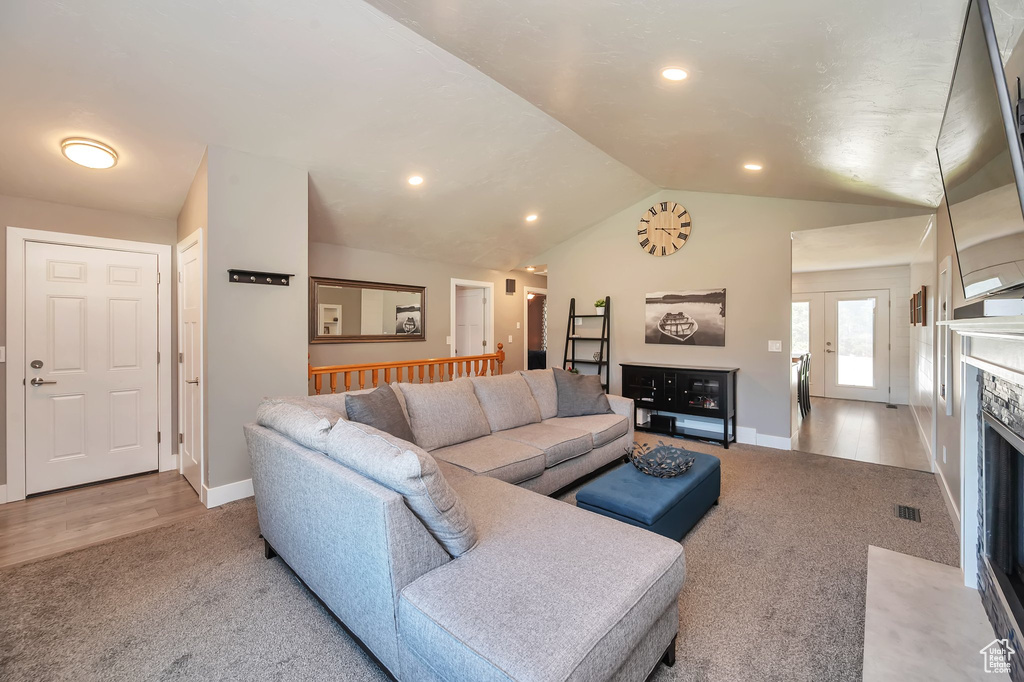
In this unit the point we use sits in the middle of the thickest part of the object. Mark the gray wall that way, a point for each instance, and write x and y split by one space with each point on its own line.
42 215
331 260
741 243
256 336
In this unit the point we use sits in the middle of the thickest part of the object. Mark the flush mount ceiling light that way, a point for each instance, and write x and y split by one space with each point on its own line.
88 153
416 180
530 268
531 218
674 73
753 166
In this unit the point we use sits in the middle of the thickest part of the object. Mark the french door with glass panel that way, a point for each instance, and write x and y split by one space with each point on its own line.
857 345
808 336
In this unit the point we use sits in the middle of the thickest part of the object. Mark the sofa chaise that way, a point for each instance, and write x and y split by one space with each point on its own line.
546 591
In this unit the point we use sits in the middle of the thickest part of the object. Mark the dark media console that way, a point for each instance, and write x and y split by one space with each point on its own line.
698 391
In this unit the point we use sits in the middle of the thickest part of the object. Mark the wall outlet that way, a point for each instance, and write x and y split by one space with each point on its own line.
510 338
774 346
943 454
519 325
3 353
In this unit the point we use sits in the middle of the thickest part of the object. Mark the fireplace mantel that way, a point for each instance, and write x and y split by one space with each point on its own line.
1011 327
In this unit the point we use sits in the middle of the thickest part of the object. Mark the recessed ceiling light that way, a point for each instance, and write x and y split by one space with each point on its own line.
532 217
753 166
674 73
416 180
530 268
88 153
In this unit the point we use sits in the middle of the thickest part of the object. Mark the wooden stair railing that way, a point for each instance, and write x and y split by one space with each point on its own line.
414 371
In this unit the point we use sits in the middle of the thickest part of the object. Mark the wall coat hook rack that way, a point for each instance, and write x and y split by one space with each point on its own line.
277 279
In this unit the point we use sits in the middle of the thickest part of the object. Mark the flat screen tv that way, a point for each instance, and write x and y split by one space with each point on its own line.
979 150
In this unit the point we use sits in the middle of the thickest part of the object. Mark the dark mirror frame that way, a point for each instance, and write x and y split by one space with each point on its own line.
314 306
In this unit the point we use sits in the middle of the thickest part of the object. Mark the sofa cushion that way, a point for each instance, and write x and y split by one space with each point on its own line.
604 427
495 457
542 385
305 423
381 410
580 394
444 413
522 604
412 473
559 443
506 400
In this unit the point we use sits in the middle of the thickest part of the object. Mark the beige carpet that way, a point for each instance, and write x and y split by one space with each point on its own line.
775 588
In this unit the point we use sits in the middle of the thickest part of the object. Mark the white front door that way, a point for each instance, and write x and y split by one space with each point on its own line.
857 345
91 383
470 319
190 361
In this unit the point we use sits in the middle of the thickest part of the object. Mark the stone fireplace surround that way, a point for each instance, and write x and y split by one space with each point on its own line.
992 377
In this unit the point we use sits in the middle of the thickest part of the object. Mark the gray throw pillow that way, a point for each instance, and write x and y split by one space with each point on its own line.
580 394
410 472
381 410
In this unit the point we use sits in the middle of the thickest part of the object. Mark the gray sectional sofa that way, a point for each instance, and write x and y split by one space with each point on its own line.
533 589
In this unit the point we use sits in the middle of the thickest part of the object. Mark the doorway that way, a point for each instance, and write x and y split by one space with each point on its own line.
472 318
88 398
190 360
536 332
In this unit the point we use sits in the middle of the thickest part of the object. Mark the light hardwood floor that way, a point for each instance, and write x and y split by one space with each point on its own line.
866 432
52 524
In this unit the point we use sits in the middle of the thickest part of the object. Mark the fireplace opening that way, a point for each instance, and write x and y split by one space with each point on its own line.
1004 511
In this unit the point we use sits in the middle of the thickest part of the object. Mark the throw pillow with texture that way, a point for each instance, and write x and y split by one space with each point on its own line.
443 414
506 400
381 410
580 394
410 472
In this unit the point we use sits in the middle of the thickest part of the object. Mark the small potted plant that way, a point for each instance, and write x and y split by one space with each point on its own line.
599 306
572 370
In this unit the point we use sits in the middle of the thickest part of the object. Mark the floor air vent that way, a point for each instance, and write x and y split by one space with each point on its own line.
908 513
890 406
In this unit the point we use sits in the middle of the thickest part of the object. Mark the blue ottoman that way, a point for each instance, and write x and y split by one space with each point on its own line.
667 506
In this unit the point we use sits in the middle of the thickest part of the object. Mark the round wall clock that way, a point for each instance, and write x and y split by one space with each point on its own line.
663 229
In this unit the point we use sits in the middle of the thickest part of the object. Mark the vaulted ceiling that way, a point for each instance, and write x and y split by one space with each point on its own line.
505 108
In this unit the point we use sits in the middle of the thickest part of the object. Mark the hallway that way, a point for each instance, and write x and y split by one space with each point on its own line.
863 431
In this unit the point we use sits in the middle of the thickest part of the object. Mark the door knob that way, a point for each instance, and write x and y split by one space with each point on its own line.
829 350
39 382
192 381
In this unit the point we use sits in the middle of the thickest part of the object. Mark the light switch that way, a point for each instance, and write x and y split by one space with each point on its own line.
448 340
510 338
774 346
519 325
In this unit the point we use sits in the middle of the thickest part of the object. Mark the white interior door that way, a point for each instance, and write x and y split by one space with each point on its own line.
857 345
190 361
809 336
91 402
470 322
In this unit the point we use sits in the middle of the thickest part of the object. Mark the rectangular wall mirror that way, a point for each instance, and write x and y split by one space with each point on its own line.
349 311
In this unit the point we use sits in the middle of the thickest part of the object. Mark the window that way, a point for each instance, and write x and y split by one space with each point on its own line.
801 342
855 342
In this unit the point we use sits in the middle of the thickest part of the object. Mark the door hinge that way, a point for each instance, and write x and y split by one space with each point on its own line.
179 277
158 357
181 357
181 437
157 437
158 278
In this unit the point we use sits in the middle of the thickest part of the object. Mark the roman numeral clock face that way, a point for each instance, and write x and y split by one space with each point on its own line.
663 229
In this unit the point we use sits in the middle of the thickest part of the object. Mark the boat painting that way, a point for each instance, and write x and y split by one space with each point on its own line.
692 318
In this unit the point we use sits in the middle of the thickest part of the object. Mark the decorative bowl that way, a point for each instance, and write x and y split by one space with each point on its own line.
661 461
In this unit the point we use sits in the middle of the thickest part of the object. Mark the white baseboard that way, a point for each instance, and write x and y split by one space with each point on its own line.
222 494
3 494
168 462
750 436
947 497
776 442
